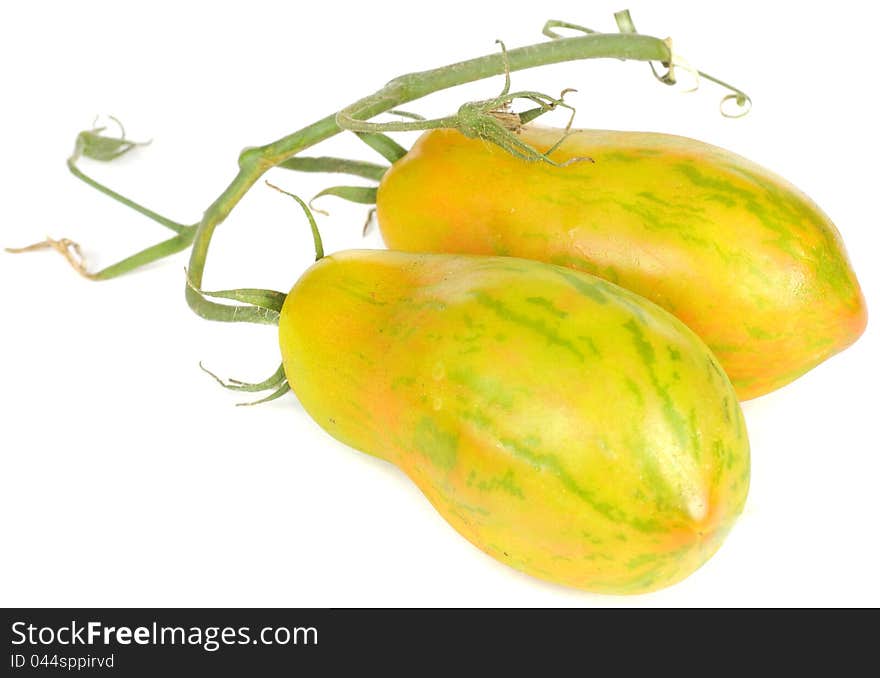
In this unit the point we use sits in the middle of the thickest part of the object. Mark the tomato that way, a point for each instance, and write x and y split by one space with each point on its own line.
746 260
562 424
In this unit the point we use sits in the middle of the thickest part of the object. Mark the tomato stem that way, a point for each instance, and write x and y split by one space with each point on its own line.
96 145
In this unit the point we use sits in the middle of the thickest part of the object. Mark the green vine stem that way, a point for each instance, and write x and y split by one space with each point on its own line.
490 119
255 162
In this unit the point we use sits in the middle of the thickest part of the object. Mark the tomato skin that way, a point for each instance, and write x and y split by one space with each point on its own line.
746 260
565 426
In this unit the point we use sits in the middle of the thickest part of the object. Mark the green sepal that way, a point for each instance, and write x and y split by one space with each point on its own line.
261 307
276 380
268 299
358 168
363 195
284 388
316 233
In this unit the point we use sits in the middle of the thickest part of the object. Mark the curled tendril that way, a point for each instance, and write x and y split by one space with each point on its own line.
625 24
680 63
112 118
555 23
742 101
740 98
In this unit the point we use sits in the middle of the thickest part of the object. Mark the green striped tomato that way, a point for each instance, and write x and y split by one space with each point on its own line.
564 425
740 255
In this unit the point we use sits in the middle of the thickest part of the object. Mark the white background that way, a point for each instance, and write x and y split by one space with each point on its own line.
128 477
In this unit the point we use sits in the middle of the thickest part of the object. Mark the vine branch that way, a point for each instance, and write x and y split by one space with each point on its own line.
490 119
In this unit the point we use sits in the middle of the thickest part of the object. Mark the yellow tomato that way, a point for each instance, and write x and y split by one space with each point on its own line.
739 254
564 425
